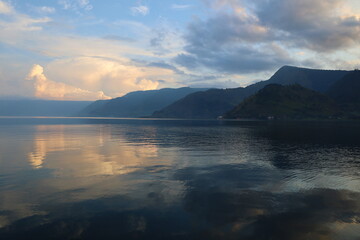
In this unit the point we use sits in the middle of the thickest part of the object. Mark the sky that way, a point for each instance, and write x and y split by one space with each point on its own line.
101 49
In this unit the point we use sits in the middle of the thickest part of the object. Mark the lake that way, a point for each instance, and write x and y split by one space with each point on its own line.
68 178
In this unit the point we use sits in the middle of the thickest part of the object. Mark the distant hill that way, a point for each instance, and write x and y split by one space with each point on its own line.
346 92
93 106
30 107
139 103
202 105
285 102
215 102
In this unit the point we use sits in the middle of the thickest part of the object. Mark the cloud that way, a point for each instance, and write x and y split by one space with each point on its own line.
243 36
235 60
226 28
317 25
45 9
225 43
180 6
5 8
230 39
165 39
87 63
28 24
114 77
119 38
17 22
76 5
140 10
47 89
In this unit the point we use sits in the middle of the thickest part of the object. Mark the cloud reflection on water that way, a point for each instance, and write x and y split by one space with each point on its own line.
143 181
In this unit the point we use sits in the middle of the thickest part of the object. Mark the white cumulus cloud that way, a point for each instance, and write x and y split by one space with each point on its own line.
115 78
48 89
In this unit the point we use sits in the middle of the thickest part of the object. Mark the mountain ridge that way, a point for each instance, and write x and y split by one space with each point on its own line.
212 103
138 103
193 106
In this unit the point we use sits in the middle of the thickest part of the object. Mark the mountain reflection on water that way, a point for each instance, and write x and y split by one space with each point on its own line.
145 179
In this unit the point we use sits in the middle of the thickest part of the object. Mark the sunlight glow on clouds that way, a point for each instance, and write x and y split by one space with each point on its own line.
119 46
82 68
47 89
114 77
5 8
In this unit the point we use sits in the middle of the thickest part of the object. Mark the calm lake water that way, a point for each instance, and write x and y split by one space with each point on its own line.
162 179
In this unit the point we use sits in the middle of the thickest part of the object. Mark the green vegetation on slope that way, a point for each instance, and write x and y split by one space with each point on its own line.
285 102
346 92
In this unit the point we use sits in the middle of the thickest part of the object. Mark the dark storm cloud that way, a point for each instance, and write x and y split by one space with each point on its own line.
265 35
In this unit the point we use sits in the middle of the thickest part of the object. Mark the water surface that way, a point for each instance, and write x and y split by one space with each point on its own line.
172 179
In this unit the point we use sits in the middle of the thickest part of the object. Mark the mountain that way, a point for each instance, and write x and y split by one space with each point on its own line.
215 102
347 89
285 102
30 107
94 106
315 79
346 92
201 105
139 103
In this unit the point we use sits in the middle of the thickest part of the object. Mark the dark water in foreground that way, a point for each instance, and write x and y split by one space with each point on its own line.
145 179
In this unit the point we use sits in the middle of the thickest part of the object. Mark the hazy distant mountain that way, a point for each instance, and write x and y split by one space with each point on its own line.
215 102
201 105
285 102
30 107
94 106
346 92
138 104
